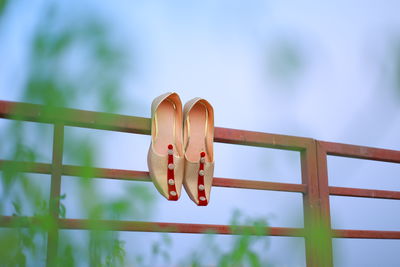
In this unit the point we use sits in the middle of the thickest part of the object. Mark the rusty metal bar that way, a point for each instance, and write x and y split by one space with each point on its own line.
74 117
260 185
71 170
323 184
369 234
250 138
139 125
189 228
361 152
137 226
359 192
324 205
309 176
30 167
55 187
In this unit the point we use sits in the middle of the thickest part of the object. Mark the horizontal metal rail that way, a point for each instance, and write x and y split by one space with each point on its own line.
71 170
138 226
366 234
359 192
191 228
361 152
139 125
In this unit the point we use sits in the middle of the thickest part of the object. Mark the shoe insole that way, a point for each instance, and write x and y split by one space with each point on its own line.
197 132
165 126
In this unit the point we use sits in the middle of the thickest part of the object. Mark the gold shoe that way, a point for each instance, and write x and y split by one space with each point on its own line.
198 138
165 158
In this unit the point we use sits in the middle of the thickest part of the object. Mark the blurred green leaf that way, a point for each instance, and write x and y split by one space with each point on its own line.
155 248
166 239
20 259
285 60
17 208
3 5
254 259
62 210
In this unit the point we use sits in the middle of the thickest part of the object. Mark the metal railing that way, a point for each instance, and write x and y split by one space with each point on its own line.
314 172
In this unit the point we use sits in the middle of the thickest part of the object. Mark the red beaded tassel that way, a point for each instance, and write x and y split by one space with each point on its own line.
172 194
200 182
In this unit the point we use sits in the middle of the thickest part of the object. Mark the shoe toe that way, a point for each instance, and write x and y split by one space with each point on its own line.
199 192
158 170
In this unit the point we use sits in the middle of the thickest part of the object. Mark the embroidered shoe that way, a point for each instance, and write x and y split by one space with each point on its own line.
198 138
165 158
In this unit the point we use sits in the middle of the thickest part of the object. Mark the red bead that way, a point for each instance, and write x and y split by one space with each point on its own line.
170 146
203 154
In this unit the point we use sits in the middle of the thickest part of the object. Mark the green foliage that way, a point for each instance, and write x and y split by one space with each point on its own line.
285 60
244 250
56 78
3 5
68 55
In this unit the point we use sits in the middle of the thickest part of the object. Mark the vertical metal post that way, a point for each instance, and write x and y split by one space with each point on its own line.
317 234
309 177
324 202
55 187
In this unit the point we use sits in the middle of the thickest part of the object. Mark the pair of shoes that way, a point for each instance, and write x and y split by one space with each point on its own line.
181 149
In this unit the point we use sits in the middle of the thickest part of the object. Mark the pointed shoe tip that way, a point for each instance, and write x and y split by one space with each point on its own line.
173 198
202 203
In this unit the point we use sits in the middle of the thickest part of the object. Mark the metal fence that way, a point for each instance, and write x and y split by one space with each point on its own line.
314 172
